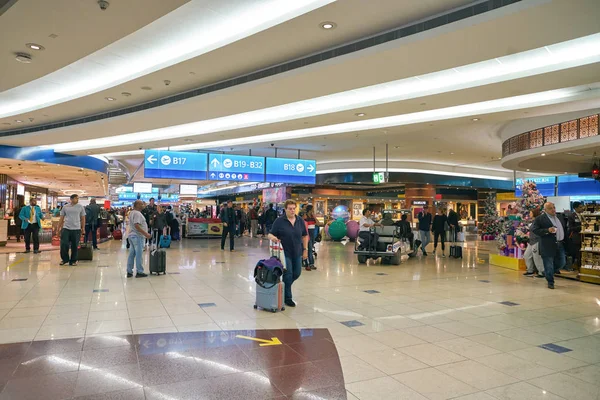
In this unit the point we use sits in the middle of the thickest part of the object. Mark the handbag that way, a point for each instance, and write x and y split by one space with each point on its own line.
318 238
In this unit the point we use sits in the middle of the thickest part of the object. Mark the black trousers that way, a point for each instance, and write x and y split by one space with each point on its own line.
369 239
32 230
69 238
439 235
91 229
231 231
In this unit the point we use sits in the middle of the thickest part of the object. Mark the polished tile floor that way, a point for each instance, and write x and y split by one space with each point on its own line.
431 328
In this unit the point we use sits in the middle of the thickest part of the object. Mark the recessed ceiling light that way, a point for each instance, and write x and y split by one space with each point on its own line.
23 58
452 153
565 173
146 88
360 114
543 154
527 169
110 98
125 94
6 123
18 121
396 147
328 25
475 119
35 46
188 140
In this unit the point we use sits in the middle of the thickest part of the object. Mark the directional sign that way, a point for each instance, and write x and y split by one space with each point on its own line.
263 342
228 167
175 165
291 170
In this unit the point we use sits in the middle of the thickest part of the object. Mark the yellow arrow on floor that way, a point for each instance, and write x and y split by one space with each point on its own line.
273 342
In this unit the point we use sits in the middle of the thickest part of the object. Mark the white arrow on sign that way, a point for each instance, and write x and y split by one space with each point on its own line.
310 168
215 163
213 175
146 344
151 159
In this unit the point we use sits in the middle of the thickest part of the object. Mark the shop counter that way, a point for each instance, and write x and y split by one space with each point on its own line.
203 227
3 232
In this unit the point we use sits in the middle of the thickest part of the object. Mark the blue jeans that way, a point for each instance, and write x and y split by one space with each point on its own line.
311 249
136 253
425 237
293 271
554 263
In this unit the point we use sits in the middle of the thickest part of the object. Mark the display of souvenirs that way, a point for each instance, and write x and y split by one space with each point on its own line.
589 224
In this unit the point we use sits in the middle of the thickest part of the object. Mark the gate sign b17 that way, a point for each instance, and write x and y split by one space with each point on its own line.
175 165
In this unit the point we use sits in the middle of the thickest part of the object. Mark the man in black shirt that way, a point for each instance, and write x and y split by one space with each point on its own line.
229 223
425 227
453 223
290 230
270 217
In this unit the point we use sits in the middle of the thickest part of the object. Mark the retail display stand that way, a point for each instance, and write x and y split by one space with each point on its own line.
590 247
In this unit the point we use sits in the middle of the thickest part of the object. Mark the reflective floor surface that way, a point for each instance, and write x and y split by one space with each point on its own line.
431 328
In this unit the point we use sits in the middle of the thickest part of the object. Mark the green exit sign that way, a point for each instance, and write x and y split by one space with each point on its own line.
378 177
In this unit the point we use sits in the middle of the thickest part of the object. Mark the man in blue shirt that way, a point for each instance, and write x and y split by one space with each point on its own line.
31 216
290 230
425 227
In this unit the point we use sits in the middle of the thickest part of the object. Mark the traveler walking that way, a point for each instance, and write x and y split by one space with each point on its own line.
312 222
31 216
18 221
440 226
424 218
453 224
270 217
136 233
72 220
229 224
532 256
552 234
253 214
92 213
574 230
291 232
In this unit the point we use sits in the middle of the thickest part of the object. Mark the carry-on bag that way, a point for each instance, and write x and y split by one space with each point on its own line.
158 257
165 239
85 253
117 234
269 287
455 250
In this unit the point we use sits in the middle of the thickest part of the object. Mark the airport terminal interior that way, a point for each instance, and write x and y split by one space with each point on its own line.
307 199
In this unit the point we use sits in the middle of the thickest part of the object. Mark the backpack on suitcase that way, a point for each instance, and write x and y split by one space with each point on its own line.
165 240
158 258
455 250
269 288
85 253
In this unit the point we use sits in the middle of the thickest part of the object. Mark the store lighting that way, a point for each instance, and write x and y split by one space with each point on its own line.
207 28
35 46
492 106
110 98
475 119
328 25
543 154
581 51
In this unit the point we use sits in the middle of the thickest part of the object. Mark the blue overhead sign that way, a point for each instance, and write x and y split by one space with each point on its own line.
167 197
175 165
290 170
545 184
228 167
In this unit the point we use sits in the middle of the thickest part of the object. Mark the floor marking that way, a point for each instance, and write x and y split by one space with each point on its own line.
16 262
273 342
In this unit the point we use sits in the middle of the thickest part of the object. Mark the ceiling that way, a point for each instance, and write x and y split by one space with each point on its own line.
454 143
61 179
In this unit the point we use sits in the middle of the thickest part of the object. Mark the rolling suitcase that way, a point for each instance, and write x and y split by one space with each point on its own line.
455 250
85 253
158 258
117 234
269 287
270 297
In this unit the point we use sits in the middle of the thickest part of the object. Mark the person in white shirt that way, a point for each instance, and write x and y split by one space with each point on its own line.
364 232
136 234
72 220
